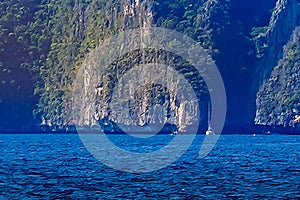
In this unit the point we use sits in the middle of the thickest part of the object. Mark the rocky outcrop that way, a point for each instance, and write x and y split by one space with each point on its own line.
68 33
278 100
121 98
101 96
219 29
284 19
277 97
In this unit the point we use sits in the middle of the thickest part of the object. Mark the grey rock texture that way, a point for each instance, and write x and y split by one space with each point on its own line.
278 100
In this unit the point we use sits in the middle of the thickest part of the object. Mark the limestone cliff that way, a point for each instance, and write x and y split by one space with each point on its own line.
101 96
285 17
52 40
277 98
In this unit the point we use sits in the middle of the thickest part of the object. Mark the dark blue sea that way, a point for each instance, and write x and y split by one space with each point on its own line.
58 166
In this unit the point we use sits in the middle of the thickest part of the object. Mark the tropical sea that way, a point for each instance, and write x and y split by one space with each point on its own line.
58 166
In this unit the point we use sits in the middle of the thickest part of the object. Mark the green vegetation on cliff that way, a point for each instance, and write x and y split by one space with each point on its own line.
44 42
279 98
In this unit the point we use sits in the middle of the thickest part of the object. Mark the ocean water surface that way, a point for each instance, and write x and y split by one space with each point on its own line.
58 166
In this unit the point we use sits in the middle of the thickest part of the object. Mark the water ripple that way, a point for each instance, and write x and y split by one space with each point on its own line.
239 167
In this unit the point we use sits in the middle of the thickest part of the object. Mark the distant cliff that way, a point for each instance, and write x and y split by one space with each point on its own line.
278 100
278 97
255 45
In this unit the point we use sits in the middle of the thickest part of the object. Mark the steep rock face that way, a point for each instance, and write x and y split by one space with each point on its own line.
63 33
276 97
285 17
278 101
99 98
215 24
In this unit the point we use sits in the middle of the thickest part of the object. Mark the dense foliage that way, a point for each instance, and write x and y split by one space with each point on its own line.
43 43
23 46
279 97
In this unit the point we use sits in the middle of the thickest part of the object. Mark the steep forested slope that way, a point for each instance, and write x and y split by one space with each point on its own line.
277 100
43 43
23 49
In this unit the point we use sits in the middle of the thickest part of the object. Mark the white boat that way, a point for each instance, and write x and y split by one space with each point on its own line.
210 130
